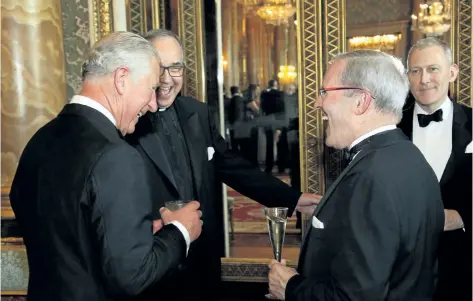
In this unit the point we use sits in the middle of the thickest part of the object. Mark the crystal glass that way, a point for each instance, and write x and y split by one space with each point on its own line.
277 219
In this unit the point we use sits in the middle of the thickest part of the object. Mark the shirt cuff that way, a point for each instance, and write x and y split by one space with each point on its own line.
184 232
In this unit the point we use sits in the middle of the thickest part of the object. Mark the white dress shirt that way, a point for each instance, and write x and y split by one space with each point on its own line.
371 133
85 101
435 140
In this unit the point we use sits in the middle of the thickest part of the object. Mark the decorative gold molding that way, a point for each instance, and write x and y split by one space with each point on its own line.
247 269
461 37
190 20
101 22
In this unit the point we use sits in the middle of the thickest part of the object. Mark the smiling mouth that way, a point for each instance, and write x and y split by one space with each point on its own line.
164 90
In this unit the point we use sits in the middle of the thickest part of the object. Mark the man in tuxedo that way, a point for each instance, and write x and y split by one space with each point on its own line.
375 233
188 159
441 129
272 104
80 194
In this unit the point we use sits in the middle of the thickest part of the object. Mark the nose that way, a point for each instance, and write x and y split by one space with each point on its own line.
153 104
318 102
425 77
165 77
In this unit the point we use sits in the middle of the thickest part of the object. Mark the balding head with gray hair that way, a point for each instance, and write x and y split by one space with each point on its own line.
383 75
119 49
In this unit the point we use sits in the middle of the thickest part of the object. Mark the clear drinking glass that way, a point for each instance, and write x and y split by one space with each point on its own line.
277 219
175 205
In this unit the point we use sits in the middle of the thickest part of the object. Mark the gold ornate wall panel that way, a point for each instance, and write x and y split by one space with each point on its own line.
309 33
461 38
144 15
101 21
334 43
136 16
191 32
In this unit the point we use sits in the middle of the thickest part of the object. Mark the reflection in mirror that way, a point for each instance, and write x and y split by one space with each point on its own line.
259 60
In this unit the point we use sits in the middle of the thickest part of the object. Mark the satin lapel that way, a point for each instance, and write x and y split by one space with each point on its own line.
460 139
326 198
406 122
153 147
195 142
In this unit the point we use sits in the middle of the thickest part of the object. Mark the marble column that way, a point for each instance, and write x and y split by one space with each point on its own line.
33 75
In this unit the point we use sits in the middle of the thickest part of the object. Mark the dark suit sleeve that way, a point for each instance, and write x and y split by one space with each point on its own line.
131 258
369 240
249 180
459 195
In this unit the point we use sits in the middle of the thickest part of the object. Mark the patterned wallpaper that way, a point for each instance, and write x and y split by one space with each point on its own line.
377 11
75 19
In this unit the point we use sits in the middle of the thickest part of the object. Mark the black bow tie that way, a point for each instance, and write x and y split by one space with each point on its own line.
424 120
350 154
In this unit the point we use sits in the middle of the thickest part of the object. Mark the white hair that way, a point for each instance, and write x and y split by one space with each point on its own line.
431 42
383 75
120 49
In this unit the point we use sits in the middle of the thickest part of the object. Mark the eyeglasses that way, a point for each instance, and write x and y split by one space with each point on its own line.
174 71
323 92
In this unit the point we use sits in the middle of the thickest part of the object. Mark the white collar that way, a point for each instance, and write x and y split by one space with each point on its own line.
447 109
371 133
85 101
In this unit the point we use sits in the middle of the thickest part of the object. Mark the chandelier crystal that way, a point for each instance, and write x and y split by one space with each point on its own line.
434 18
287 74
276 12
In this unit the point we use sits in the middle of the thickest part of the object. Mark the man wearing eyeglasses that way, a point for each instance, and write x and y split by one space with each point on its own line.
441 129
374 234
187 159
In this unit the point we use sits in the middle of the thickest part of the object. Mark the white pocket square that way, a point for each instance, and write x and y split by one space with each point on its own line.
469 148
210 152
316 223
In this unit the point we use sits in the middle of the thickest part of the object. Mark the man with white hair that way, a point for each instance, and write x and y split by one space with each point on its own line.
80 193
442 130
374 234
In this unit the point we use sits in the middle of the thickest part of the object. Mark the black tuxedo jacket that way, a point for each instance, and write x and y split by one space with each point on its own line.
81 200
382 217
272 102
201 270
455 252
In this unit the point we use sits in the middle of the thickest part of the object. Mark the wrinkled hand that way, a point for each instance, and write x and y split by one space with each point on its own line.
189 216
279 275
157 225
308 202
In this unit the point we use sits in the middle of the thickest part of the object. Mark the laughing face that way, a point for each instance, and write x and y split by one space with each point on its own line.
171 72
430 75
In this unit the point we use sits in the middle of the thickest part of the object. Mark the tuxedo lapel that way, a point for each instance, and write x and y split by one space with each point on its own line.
407 119
153 147
326 198
192 131
460 139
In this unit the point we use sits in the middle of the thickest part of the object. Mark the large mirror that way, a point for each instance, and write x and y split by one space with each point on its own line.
259 60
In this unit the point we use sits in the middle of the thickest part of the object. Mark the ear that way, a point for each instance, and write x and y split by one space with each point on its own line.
120 79
453 72
362 102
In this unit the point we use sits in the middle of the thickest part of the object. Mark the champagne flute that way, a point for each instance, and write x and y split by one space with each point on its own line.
277 218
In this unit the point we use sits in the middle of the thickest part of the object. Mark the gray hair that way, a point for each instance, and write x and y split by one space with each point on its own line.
383 75
430 42
156 34
119 49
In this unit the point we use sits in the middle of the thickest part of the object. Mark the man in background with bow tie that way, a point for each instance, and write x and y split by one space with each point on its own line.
375 233
188 159
441 129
